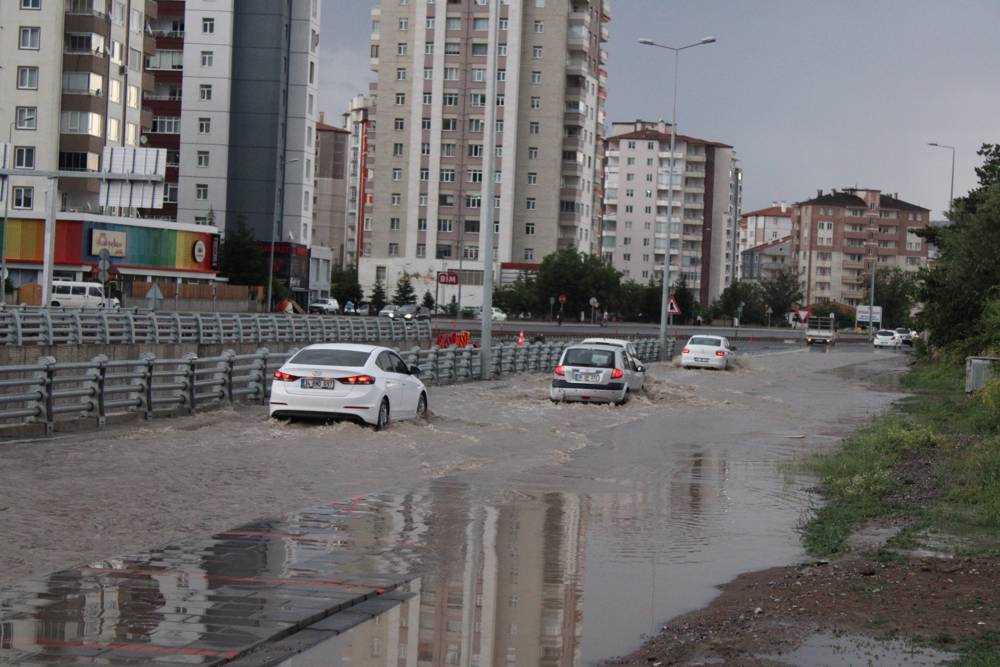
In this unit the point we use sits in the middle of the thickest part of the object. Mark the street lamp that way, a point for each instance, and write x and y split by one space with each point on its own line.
665 301
279 212
6 203
951 195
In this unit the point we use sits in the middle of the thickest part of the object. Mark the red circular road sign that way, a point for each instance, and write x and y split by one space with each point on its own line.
563 298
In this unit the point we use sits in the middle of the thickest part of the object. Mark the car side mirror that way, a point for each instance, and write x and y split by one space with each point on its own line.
415 371
640 369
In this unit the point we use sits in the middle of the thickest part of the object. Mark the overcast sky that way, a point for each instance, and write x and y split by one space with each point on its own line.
811 93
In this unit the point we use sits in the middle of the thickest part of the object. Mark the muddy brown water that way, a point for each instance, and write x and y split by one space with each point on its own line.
570 532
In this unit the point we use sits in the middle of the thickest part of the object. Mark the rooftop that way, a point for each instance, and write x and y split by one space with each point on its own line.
656 135
848 198
771 211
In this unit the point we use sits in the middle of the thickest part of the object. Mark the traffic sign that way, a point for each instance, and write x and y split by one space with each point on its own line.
594 302
673 308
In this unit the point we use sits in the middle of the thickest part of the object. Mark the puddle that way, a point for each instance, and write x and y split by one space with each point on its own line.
828 650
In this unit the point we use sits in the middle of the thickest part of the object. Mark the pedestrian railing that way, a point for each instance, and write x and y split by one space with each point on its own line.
51 393
56 326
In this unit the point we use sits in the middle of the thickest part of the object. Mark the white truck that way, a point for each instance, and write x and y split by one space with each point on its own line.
821 330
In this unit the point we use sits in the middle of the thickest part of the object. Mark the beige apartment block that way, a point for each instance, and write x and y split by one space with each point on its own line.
424 199
705 189
837 234
763 227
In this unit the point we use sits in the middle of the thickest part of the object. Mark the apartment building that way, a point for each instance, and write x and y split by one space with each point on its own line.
761 227
705 190
72 84
765 261
837 234
433 62
330 188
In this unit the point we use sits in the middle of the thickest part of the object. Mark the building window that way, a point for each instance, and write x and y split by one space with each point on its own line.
401 48
425 123
208 25
450 99
536 52
421 224
30 38
204 125
532 178
539 27
397 150
394 224
534 127
24 157
529 254
478 74
27 78
530 204
533 152
31 4
470 252
404 24
397 174
448 150
536 77
502 48
428 73
203 158
449 125
399 124
400 74
205 92
24 197
207 58
393 250
501 75
536 102
503 24
201 191
529 229
421 250
425 148
400 99
26 118
447 175
133 97
452 49
444 251
131 134
480 49
166 125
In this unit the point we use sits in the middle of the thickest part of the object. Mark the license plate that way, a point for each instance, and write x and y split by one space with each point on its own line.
702 359
318 383
585 377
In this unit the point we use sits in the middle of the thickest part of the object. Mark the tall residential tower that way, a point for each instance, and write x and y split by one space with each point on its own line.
426 202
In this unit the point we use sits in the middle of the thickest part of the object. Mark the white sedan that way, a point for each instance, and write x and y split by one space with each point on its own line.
357 382
886 338
706 352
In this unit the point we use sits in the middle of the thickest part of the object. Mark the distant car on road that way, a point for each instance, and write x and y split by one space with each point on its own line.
413 312
389 311
886 338
325 306
595 374
905 335
361 383
362 309
707 352
75 294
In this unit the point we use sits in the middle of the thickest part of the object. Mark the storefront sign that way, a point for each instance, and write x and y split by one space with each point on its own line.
198 251
114 242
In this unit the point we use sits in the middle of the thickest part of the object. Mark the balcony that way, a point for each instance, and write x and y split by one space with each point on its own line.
604 34
578 40
575 118
577 66
580 18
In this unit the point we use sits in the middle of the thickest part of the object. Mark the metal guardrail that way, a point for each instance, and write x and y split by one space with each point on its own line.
979 371
49 326
51 393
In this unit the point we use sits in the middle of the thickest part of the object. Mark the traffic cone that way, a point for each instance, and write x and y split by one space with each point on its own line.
520 339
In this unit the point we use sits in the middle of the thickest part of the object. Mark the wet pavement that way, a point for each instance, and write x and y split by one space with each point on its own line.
509 530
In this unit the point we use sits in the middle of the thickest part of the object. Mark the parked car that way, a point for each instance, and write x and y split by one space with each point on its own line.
629 347
413 312
361 383
886 338
362 309
75 294
328 306
595 374
389 311
707 352
905 335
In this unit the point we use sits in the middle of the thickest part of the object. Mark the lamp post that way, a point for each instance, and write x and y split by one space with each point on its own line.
279 213
951 194
665 301
486 198
6 202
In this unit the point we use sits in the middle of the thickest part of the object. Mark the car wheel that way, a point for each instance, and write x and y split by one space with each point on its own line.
382 421
624 399
422 407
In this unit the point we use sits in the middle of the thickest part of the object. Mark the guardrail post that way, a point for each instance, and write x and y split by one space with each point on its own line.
436 361
99 378
78 324
105 329
260 373
146 383
16 323
47 320
230 356
130 319
47 377
190 359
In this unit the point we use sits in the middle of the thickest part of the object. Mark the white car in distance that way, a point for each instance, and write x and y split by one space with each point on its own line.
707 352
361 383
886 338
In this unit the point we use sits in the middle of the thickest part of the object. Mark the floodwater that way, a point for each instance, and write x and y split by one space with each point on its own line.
628 518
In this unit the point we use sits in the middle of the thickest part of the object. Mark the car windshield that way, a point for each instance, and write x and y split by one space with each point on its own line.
902 330
886 333
323 357
704 340
606 342
589 358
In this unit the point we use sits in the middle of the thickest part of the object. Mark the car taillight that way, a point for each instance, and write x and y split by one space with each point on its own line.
357 379
617 374
282 376
720 353
560 371
687 350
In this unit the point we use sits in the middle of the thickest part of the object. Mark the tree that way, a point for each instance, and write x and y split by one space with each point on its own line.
955 291
428 301
781 293
742 299
842 313
405 294
685 299
344 286
242 259
579 276
377 300
521 296
895 291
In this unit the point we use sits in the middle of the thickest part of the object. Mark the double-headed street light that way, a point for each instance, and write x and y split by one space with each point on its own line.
951 195
665 301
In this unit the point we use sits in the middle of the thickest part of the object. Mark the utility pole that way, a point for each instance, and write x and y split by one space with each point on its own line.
486 201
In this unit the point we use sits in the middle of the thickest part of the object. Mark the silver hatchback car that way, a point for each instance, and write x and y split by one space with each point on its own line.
595 374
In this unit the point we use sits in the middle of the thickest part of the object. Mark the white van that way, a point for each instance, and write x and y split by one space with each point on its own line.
73 294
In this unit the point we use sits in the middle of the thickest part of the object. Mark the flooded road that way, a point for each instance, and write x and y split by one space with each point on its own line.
530 533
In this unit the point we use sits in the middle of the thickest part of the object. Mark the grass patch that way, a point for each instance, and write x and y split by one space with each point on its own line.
949 439
983 652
